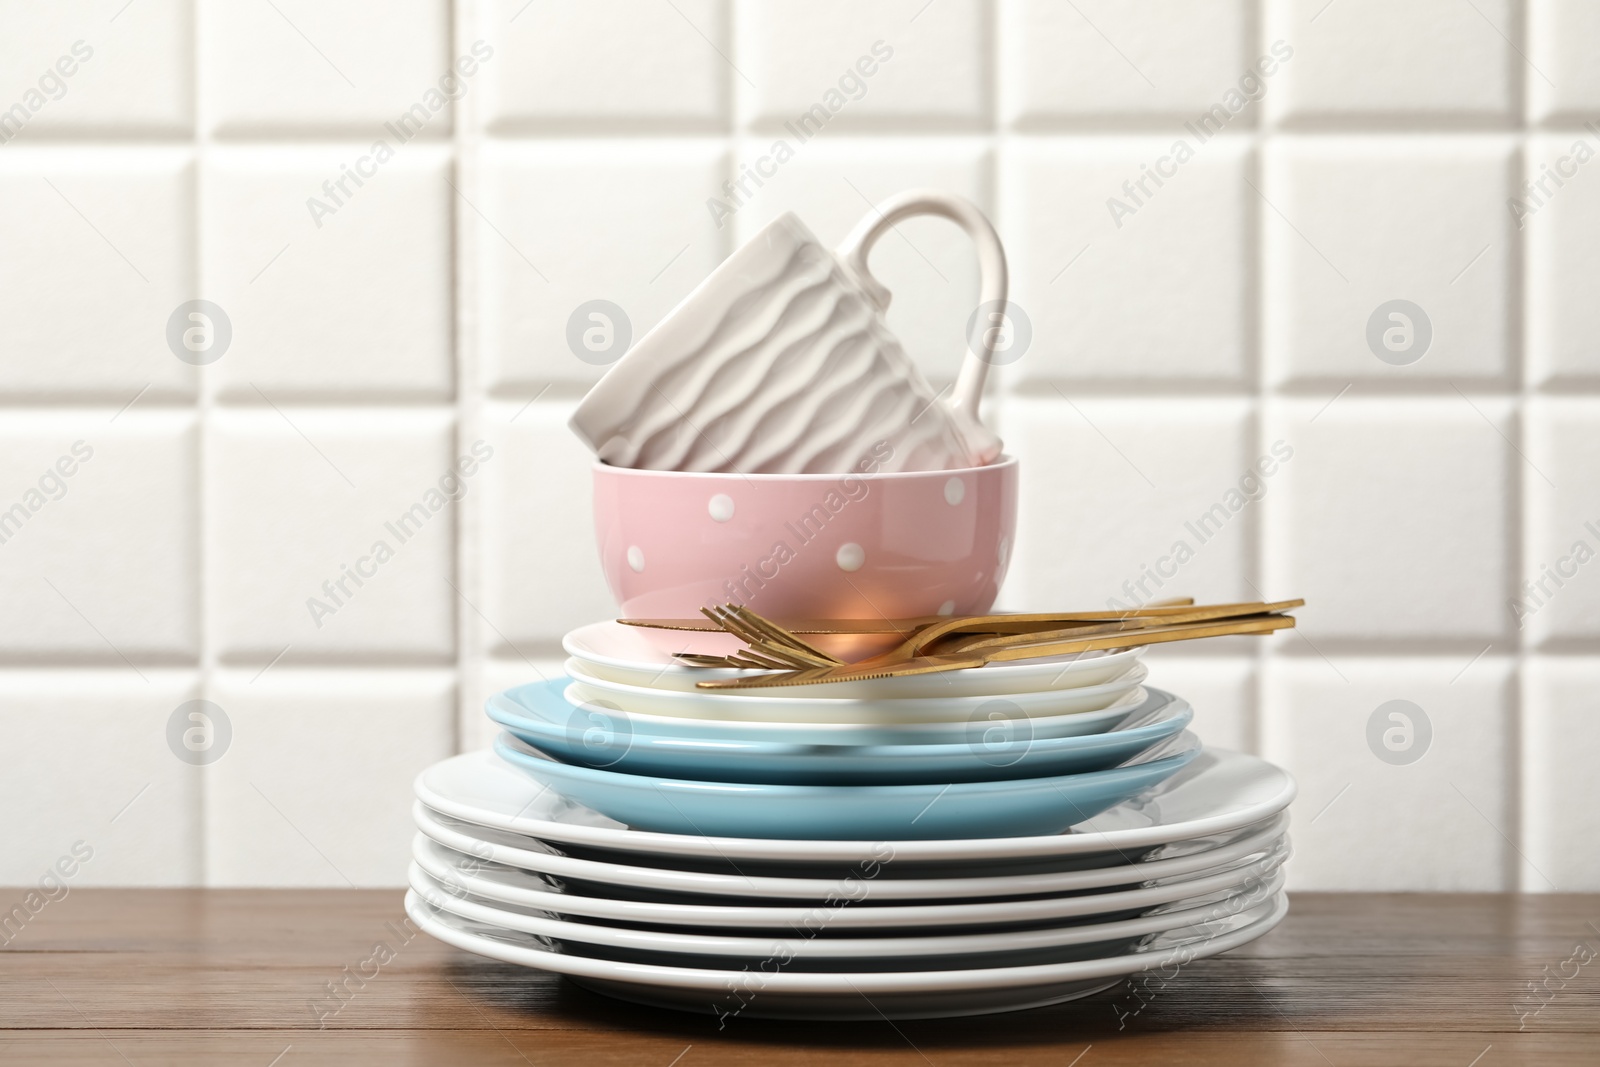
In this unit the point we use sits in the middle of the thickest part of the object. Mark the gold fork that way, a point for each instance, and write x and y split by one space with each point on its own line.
990 631
775 646
1001 649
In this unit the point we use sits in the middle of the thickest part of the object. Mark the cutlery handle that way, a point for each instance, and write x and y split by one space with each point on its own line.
992 273
1150 636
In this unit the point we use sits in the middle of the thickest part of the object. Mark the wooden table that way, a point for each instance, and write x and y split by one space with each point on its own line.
136 977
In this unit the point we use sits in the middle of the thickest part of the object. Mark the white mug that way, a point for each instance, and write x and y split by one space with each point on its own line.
780 363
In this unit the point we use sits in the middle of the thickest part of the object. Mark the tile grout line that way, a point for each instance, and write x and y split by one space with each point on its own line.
203 422
1517 783
1262 520
463 116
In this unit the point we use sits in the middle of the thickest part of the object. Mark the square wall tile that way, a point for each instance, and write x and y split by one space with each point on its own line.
1407 504
1557 208
1556 598
1124 274
482 678
1124 502
541 567
927 263
96 251
1563 37
622 221
605 64
1560 739
99 553
315 789
332 534
336 291
97 782
97 67
1418 795
831 65
1432 59
1221 689
331 65
1360 230
1096 61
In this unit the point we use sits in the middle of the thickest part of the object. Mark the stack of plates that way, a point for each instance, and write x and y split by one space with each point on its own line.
981 841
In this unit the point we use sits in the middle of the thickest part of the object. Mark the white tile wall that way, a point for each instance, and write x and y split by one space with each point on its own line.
1162 292
385 325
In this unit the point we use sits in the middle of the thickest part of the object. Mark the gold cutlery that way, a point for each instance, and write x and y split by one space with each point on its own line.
1013 647
774 647
907 626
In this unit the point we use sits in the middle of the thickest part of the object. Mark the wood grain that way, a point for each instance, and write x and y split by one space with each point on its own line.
241 976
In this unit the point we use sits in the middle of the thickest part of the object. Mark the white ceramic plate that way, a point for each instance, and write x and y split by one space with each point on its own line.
808 944
870 995
497 883
1198 871
775 705
1218 792
870 883
635 656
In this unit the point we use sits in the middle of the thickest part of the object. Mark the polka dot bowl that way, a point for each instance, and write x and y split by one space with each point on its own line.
794 546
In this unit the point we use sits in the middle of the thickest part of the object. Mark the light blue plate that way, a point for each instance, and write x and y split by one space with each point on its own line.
988 749
536 699
1012 808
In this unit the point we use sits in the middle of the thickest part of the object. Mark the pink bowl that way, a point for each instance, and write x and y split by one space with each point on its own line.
796 546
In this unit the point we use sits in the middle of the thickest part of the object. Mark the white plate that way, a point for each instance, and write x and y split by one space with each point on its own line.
1199 871
808 944
1218 792
635 656
1122 890
475 874
896 994
775 705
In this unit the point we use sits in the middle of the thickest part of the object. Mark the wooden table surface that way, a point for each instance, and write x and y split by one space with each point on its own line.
153 976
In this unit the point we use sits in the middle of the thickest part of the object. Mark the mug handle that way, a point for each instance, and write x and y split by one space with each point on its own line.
992 274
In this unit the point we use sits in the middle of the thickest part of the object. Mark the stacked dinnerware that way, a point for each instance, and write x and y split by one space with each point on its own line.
974 841
982 839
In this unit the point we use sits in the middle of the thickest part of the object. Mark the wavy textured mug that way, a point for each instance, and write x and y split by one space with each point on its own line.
780 363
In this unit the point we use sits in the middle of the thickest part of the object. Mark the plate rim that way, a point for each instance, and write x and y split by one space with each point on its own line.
845 706
507 714
870 947
1270 838
799 791
774 887
954 981
844 730
753 916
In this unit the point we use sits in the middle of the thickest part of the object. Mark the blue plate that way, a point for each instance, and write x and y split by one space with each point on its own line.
545 700
989 749
1011 808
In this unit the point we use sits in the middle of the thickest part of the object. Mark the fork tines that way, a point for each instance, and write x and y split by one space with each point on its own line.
771 646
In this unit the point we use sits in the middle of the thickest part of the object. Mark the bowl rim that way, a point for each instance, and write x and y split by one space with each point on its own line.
1003 463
